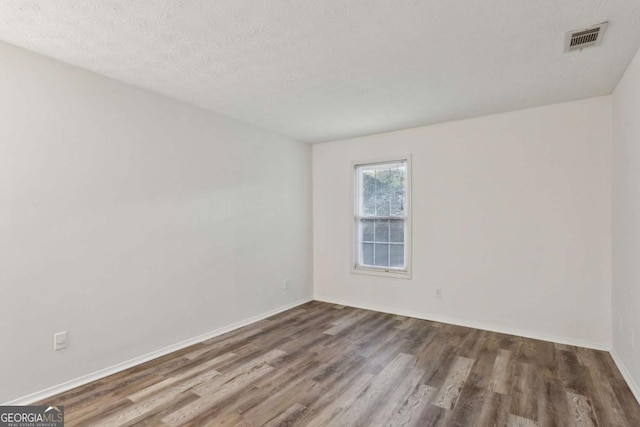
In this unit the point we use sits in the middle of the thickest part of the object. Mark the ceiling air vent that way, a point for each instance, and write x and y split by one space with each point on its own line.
585 37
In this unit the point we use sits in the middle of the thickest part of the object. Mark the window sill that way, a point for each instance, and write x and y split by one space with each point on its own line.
396 274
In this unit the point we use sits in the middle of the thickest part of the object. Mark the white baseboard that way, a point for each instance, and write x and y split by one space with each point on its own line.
633 385
472 324
85 379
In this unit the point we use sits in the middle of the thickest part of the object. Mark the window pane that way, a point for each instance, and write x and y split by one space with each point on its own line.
382 230
383 196
381 255
396 190
397 231
367 253
383 189
397 205
367 229
397 256
368 192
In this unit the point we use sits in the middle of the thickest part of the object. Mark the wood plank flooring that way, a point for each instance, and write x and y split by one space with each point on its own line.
321 364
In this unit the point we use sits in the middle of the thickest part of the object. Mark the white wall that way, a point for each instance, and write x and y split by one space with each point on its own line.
511 217
626 222
134 222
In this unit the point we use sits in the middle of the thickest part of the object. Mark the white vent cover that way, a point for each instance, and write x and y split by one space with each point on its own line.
585 37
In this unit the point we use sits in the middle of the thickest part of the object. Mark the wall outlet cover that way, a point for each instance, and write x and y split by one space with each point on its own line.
59 340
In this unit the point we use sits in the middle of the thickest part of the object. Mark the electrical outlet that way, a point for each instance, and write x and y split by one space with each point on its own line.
59 341
286 285
439 293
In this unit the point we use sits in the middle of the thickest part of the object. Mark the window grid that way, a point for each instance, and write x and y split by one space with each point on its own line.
394 177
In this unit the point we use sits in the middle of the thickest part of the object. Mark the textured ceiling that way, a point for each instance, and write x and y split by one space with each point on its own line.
331 69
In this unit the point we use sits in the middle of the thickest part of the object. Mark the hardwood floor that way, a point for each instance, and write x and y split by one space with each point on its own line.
326 365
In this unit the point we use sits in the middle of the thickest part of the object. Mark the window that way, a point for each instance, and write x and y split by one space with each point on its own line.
382 241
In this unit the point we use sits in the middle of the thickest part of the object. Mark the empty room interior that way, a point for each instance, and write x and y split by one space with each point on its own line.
320 213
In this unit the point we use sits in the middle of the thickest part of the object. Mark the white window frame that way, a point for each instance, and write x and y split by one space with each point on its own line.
355 231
